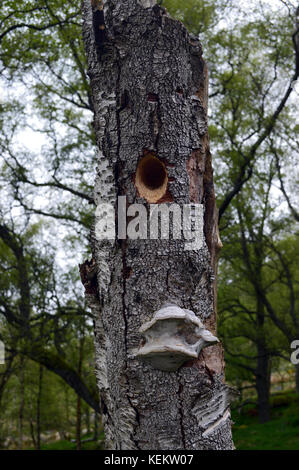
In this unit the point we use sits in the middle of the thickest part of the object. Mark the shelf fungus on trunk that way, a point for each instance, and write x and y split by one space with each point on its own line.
172 337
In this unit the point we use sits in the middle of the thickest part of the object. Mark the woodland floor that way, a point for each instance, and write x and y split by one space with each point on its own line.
281 433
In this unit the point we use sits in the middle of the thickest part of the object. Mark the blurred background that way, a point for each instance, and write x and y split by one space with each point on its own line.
48 395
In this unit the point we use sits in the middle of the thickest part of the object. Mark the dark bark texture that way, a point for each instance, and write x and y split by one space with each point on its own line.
149 88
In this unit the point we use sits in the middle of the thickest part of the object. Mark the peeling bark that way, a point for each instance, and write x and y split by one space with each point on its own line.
149 88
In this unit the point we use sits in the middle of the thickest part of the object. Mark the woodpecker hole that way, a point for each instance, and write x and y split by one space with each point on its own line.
151 178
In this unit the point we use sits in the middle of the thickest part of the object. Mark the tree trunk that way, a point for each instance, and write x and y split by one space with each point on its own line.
79 403
38 407
263 384
149 88
78 424
263 370
297 377
33 434
22 403
96 427
87 420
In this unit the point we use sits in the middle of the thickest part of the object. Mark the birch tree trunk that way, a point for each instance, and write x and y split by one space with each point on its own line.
149 93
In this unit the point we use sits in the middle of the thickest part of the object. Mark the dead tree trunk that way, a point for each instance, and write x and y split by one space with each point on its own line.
149 94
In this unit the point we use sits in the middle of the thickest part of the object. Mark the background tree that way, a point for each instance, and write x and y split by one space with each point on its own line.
251 276
35 312
253 64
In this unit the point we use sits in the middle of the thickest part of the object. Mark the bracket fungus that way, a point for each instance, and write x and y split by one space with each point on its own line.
172 337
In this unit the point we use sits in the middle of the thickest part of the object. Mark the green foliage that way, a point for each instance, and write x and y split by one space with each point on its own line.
57 409
67 445
197 15
281 433
46 180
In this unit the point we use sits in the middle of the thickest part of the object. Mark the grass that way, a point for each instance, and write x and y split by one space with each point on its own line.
67 445
281 433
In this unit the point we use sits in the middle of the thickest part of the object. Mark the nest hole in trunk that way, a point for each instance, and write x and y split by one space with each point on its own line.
151 178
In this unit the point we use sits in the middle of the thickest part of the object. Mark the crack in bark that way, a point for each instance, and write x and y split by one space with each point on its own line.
124 249
181 412
137 415
157 116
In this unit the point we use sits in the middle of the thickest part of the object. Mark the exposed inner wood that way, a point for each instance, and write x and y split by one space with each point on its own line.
151 178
